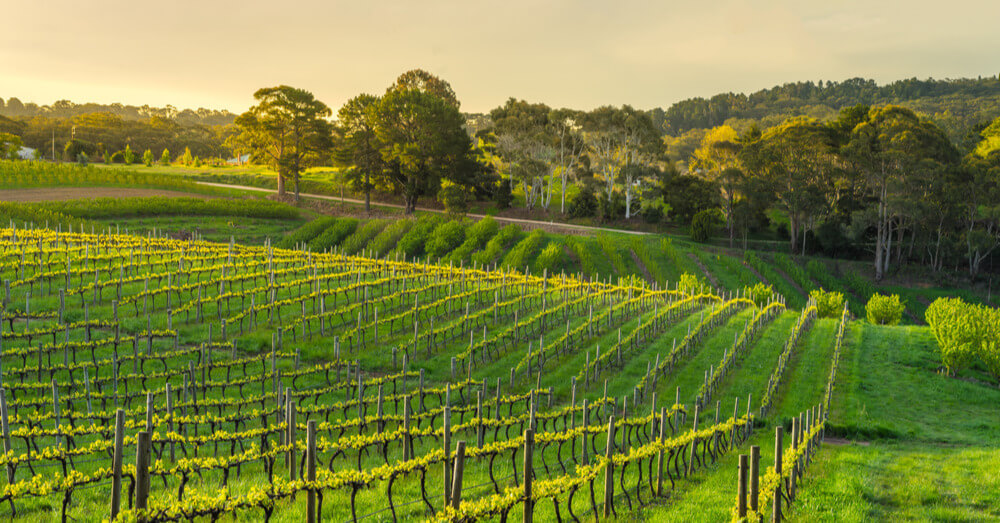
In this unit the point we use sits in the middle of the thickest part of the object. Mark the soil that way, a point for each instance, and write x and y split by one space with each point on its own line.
77 193
642 267
711 277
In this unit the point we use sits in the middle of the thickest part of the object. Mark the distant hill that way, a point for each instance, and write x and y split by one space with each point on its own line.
956 105
13 106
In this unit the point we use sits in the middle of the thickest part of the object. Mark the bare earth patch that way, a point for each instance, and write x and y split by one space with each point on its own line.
78 193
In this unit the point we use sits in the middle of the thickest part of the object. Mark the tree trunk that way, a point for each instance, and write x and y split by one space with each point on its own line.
562 206
281 184
793 226
368 194
296 181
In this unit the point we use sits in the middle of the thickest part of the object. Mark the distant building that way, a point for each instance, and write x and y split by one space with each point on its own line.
238 161
26 153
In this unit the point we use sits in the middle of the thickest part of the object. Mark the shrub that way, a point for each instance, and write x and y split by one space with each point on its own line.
82 159
129 155
884 310
334 234
412 243
691 284
759 293
476 237
356 242
703 225
454 197
584 204
306 232
118 157
389 237
957 331
496 245
829 304
147 158
652 213
550 259
518 257
165 158
445 238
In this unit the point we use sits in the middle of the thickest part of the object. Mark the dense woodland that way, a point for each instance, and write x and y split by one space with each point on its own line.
902 174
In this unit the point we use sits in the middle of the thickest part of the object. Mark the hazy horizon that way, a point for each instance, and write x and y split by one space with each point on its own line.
567 54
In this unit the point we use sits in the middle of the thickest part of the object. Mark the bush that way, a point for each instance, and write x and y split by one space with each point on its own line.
957 330
454 197
147 158
82 159
583 204
165 158
518 257
829 304
691 284
496 245
445 238
118 157
759 293
476 237
652 213
550 259
613 208
884 310
334 234
389 237
129 155
412 243
703 225
306 232
358 241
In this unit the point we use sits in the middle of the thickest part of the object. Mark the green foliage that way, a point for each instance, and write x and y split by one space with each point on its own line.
165 158
583 204
587 262
652 213
334 234
476 236
147 158
445 238
794 271
389 237
82 159
829 304
611 251
118 157
128 155
496 245
46 174
691 284
759 293
704 224
884 310
958 330
412 243
454 197
518 257
164 206
10 144
550 259
356 242
306 232
861 285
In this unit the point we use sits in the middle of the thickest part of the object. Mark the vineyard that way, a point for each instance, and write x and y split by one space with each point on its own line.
146 378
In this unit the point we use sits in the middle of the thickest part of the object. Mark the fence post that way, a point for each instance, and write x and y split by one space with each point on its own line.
142 470
741 496
609 471
116 460
311 470
529 448
456 486
754 477
776 505
660 457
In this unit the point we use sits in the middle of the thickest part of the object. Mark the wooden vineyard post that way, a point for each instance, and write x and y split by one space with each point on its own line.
741 496
456 486
609 471
694 441
116 463
447 460
290 438
529 447
406 429
142 452
311 470
6 433
660 456
754 478
479 419
776 506
585 459
170 420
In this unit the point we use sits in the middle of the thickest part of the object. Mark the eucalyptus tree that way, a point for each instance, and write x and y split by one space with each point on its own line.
524 142
356 144
717 160
565 127
287 129
619 138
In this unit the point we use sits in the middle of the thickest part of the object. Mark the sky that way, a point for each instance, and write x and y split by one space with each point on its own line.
566 53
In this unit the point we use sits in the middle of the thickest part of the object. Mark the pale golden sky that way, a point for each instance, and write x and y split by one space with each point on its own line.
581 54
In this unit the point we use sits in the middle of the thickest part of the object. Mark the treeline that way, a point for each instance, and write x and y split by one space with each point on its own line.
14 107
955 105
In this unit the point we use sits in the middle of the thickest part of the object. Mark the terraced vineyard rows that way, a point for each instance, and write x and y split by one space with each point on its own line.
156 379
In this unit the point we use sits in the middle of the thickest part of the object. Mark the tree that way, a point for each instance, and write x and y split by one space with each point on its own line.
422 142
524 145
716 159
10 144
619 139
887 149
129 155
565 128
187 158
147 158
420 80
287 130
356 144
165 158
794 161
